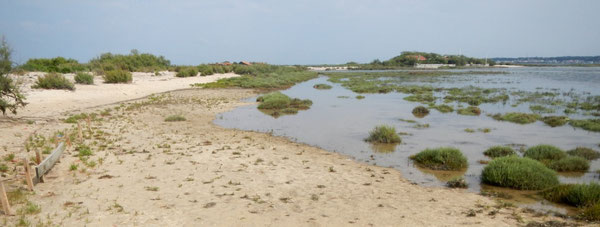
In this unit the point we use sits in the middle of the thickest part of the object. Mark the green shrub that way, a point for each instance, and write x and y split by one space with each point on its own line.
519 173
57 64
444 108
443 158
54 81
175 118
11 97
84 78
519 118
117 76
587 124
555 121
383 134
471 111
545 153
578 195
322 86
277 100
585 152
570 164
187 72
499 151
133 62
263 76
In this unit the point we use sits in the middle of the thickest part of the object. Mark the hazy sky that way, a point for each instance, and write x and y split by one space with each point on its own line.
299 32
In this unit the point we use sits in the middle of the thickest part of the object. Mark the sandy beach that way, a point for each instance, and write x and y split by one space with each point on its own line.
145 171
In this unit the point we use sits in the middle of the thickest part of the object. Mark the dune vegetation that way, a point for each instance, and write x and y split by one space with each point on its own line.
54 81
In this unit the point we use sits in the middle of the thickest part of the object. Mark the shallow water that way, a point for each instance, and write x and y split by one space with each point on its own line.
340 124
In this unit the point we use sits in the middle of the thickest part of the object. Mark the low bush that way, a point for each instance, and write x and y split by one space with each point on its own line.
443 158
84 78
420 111
173 118
545 153
585 152
555 121
518 173
117 76
587 124
276 103
470 111
519 118
54 81
322 86
570 164
578 195
499 151
187 72
590 213
383 134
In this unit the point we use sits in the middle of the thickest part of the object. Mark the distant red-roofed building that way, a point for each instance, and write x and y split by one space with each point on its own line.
420 58
245 63
226 63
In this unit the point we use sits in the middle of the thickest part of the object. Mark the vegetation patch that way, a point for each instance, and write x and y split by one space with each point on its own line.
590 213
187 72
443 158
263 76
422 98
420 111
518 173
54 81
84 78
570 164
322 86
360 97
117 76
173 118
470 111
515 117
443 108
57 64
383 134
578 195
133 62
545 153
499 151
587 124
539 109
458 182
277 103
555 121
584 152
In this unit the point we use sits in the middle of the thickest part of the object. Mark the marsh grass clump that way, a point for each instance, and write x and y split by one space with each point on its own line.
443 108
383 134
422 98
578 195
585 152
570 164
518 173
545 153
590 213
187 72
458 182
54 81
443 158
587 124
322 86
555 121
174 118
499 151
278 103
470 111
539 109
515 117
117 76
360 97
420 111
84 78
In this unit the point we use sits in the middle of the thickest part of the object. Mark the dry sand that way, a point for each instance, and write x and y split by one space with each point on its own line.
150 172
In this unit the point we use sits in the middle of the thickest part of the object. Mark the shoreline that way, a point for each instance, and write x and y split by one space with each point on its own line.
267 179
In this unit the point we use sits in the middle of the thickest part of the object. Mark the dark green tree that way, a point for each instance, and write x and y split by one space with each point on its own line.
10 96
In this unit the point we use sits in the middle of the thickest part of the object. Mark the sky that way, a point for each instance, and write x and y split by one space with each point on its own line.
299 32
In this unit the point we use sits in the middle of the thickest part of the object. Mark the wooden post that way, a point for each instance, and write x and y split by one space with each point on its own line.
4 200
68 141
89 123
79 131
38 157
28 174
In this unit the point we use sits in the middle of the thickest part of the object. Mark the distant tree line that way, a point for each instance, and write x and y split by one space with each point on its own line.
410 58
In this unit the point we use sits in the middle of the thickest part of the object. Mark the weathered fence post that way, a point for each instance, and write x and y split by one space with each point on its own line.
4 199
28 174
